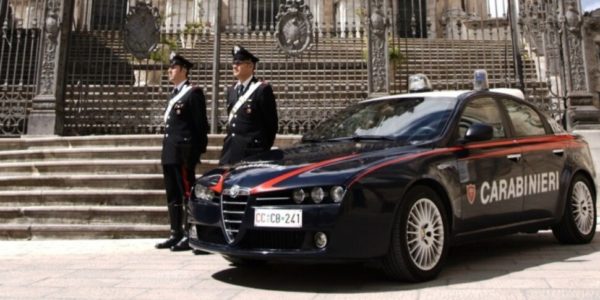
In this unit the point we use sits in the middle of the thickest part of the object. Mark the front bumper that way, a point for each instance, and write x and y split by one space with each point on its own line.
354 231
207 232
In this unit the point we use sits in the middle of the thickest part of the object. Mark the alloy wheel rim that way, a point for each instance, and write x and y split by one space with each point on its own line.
583 208
425 234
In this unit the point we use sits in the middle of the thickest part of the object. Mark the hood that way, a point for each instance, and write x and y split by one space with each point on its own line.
331 163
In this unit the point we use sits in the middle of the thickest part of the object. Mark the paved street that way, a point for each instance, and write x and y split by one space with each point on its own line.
514 267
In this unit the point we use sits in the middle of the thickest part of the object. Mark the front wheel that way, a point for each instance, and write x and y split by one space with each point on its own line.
578 223
419 242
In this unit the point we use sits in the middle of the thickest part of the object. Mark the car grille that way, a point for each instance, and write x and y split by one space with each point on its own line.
233 213
273 199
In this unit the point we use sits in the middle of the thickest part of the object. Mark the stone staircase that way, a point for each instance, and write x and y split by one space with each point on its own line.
88 187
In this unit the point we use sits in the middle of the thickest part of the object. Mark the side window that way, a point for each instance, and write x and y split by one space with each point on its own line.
525 120
482 110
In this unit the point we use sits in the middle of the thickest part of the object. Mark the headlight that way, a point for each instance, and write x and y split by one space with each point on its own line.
203 192
337 194
298 196
317 194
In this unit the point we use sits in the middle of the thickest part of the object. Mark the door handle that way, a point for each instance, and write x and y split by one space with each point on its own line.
514 157
558 152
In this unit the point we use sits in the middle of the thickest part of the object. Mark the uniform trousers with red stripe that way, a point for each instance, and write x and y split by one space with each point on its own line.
178 180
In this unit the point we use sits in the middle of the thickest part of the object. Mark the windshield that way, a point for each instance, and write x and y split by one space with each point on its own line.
412 120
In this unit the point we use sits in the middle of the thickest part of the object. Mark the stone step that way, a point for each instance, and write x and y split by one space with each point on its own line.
28 142
98 197
81 231
150 215
94 166
92 181
91 153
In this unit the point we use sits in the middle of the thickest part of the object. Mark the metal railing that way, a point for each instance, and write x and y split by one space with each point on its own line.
110 91
19 56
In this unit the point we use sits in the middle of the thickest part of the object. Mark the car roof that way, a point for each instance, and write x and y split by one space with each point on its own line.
449 94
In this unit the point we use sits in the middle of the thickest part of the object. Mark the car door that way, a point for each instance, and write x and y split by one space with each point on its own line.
543 159
487 169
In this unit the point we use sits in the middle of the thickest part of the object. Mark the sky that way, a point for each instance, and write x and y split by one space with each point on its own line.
589 5
501 5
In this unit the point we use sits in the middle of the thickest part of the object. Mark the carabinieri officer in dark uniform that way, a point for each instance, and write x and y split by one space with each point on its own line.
186 129
252 111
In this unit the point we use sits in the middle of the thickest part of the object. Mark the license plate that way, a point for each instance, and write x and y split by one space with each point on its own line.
286 218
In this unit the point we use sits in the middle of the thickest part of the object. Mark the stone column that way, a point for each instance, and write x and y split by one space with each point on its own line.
591 42
47 113
452 18
225 18
477 7
580 110
378 62
328 15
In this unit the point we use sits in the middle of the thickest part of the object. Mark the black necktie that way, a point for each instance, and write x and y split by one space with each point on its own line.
240 90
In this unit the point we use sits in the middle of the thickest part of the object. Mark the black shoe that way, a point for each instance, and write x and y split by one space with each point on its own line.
168 243
200 252
183 245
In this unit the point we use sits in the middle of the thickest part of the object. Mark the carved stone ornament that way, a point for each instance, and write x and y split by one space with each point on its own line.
142 30
378 26
293 31
573 19
378 23
51 31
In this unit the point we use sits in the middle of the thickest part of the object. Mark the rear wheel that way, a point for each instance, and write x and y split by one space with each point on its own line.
419 242
578 223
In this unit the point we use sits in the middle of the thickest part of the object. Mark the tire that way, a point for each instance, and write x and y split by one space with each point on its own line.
244 262
423 208
578 223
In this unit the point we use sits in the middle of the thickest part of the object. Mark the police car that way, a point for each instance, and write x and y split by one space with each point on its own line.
400 179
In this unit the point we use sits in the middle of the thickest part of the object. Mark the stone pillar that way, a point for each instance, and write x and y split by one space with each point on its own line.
378 62
580 111
477 8
47 113
432 25
225 18
591 42
328 15
452 17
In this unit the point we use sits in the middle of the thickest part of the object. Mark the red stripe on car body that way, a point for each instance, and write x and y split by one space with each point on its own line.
270 184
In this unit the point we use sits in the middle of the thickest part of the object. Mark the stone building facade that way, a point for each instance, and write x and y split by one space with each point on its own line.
64 61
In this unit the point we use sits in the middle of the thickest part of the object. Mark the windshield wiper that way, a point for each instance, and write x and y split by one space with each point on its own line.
357 138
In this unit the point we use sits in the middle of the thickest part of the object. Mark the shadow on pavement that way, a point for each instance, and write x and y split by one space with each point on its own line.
467 263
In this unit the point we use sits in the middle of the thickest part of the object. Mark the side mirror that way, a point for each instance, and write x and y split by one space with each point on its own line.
478 132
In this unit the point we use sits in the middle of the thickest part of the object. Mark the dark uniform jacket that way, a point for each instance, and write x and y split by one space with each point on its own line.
252 129
186 129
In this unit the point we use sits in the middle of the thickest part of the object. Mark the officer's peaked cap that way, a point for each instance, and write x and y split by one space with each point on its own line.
178 60
241 54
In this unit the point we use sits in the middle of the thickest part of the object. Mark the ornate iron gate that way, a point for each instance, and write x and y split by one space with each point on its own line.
315 54
19 52
111 91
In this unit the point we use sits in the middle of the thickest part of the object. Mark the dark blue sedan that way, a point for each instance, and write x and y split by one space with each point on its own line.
400 179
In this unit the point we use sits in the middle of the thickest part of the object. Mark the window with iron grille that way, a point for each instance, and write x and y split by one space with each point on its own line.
262 14
411 19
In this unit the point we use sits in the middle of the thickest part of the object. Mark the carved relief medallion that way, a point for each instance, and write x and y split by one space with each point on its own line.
294 27
142 30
